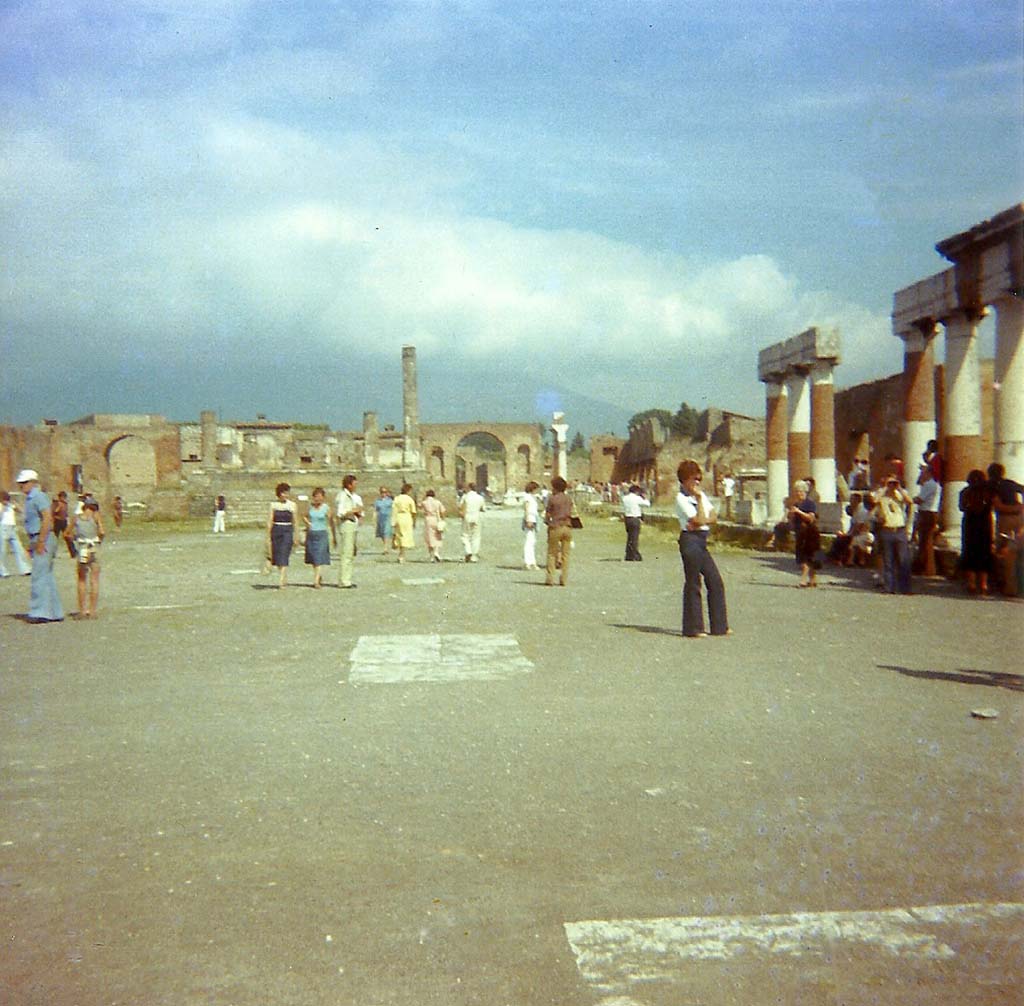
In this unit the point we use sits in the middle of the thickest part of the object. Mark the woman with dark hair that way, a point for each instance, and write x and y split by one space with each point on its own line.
319 520
403 517
695 519
558 517
976 531
281 530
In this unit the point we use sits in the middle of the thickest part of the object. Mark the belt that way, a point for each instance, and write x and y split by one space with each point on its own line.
282 523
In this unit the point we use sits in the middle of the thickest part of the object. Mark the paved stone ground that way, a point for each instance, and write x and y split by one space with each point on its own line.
483 791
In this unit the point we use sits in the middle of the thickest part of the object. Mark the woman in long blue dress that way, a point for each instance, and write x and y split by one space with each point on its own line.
319 520
281 530
382 505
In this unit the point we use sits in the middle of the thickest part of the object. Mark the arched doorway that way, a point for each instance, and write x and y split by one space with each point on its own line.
481 458
436 463
131 465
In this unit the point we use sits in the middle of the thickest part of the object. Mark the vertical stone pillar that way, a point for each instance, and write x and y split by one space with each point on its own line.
799 438
208 435
918 393
371 440
776 427
410 409
961 415
560 429
823 430
1009 386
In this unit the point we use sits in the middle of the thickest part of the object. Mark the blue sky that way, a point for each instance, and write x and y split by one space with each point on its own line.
612 205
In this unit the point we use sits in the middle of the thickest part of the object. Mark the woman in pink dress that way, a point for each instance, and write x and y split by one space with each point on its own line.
433 524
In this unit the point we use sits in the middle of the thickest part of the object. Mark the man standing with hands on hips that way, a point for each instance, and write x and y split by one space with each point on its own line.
44 605
348 506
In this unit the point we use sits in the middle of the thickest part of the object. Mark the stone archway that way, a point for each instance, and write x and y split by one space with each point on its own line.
519 445
131 465
484 462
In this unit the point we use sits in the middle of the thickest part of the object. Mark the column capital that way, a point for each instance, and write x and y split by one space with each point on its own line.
971 314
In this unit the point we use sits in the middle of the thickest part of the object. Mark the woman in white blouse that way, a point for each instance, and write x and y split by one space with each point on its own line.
695 519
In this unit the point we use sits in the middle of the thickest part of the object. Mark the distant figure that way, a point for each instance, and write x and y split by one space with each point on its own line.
44 603
319 520
812 490
894 466
976 532
470 508
433 524
219 510
1008 505
531 516
382 507
118 508
728 488
695 514
927 524
281 531
859 479
60 519
558 517
933 459
403 515
348 507
632 515
87 532
9 537
803 512
891 514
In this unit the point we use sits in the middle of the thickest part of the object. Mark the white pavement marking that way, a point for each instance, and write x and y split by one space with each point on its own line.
398 659
242 572
617 954
423 581
158 607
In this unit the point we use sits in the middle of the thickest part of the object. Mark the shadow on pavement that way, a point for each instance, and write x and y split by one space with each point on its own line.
965 676
657 630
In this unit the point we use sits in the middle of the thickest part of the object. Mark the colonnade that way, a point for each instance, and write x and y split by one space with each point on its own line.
800 414
987 273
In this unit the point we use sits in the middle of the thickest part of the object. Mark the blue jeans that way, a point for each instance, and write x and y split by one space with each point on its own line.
697 563
45 601
895 560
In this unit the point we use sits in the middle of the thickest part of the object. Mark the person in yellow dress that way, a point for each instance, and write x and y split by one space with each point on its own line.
403 520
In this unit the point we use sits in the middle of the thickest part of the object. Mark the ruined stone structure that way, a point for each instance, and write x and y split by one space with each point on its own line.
724 442
987 271
800 414
173 469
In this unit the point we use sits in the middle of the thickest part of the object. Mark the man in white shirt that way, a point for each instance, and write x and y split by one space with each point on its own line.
927 501
348 506
9 538
632 513
728 487
471 506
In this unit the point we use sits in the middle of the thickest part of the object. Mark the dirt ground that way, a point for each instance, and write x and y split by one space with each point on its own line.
220 793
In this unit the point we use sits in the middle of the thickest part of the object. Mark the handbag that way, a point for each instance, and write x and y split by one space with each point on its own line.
440 525
575 520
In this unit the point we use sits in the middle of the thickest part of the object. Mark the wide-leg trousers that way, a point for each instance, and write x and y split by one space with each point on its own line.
698 564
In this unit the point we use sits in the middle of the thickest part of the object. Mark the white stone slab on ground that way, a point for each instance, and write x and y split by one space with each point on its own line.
466 657
616 955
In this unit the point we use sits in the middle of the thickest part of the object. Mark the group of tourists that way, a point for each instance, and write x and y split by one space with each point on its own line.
45 523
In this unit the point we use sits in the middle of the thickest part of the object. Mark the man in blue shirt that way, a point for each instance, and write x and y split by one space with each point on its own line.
44 605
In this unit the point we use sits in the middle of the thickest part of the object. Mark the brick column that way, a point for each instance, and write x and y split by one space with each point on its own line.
1009 386
961 414
823 430
776 431
799 439
918 393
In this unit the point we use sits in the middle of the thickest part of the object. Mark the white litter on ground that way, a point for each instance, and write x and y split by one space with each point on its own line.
468 657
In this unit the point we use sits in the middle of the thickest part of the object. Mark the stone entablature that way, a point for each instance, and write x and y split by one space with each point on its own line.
776 362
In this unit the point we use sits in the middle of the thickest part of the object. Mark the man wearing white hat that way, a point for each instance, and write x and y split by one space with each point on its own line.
44 605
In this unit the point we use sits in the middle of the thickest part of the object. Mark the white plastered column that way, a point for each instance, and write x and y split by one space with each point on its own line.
776 427
799 411
961 415
560 429
1009 386
823 431
918 395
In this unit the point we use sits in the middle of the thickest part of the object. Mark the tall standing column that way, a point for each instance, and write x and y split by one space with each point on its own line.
208 437
560 429
823 430
776 428
961 415
918 393
410 409
1009 386
799 439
